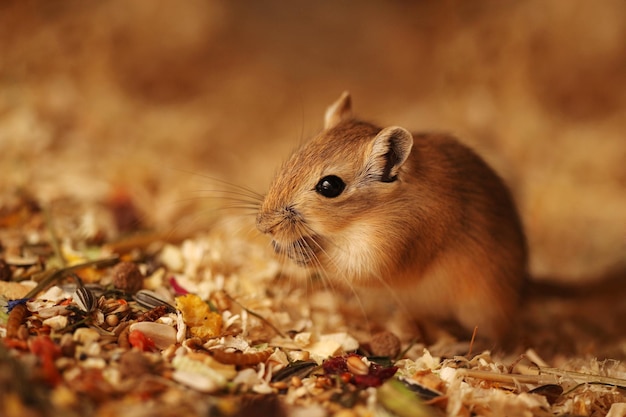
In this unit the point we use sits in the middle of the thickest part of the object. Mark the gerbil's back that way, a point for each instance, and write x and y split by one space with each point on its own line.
477 198
480 263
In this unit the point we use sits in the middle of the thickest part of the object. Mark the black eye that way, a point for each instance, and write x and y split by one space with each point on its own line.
330 186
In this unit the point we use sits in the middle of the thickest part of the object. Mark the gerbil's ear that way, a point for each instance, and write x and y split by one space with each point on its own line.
338 111
390 150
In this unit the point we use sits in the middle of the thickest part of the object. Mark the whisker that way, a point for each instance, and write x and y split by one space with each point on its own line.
346 281
395 295
252 231
284 261
254 204
208 217
253 198
250 192
329 284
319 268
249 210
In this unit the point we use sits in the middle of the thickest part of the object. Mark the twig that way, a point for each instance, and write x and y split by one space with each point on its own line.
412 343
257 315
61 273
471 346
584 378
508 378
545 376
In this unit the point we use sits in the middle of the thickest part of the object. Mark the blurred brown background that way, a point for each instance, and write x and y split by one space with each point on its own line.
141 95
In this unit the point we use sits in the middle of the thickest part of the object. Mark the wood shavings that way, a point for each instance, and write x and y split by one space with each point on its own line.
237 329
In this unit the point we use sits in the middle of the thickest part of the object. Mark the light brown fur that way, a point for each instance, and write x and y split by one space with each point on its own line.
421 213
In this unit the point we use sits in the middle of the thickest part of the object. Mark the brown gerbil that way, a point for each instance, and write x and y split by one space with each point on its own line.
420 214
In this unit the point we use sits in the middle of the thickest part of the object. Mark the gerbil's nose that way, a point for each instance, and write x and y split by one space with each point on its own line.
264 223
272 220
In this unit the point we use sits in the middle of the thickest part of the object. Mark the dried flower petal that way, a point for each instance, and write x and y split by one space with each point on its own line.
178 289
200 320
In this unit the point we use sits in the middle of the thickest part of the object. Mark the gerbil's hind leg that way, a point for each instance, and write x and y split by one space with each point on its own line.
491 321
485 295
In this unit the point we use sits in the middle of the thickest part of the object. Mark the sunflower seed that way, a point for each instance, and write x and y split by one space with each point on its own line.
150 299
85 299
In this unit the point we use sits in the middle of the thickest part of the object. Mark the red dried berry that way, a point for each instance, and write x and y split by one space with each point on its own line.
374 378
140 341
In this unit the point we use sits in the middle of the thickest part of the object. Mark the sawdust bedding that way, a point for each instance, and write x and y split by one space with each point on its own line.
156 324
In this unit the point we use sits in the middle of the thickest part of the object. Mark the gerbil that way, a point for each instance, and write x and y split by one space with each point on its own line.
419 214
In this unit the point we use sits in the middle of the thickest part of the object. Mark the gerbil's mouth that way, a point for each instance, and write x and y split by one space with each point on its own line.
303 251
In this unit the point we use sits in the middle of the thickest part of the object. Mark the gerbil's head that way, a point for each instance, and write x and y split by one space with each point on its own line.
328 207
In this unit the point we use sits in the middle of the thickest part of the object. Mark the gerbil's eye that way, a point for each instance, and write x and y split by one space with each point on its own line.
330 186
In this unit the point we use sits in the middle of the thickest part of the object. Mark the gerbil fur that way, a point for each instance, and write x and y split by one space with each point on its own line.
420 214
